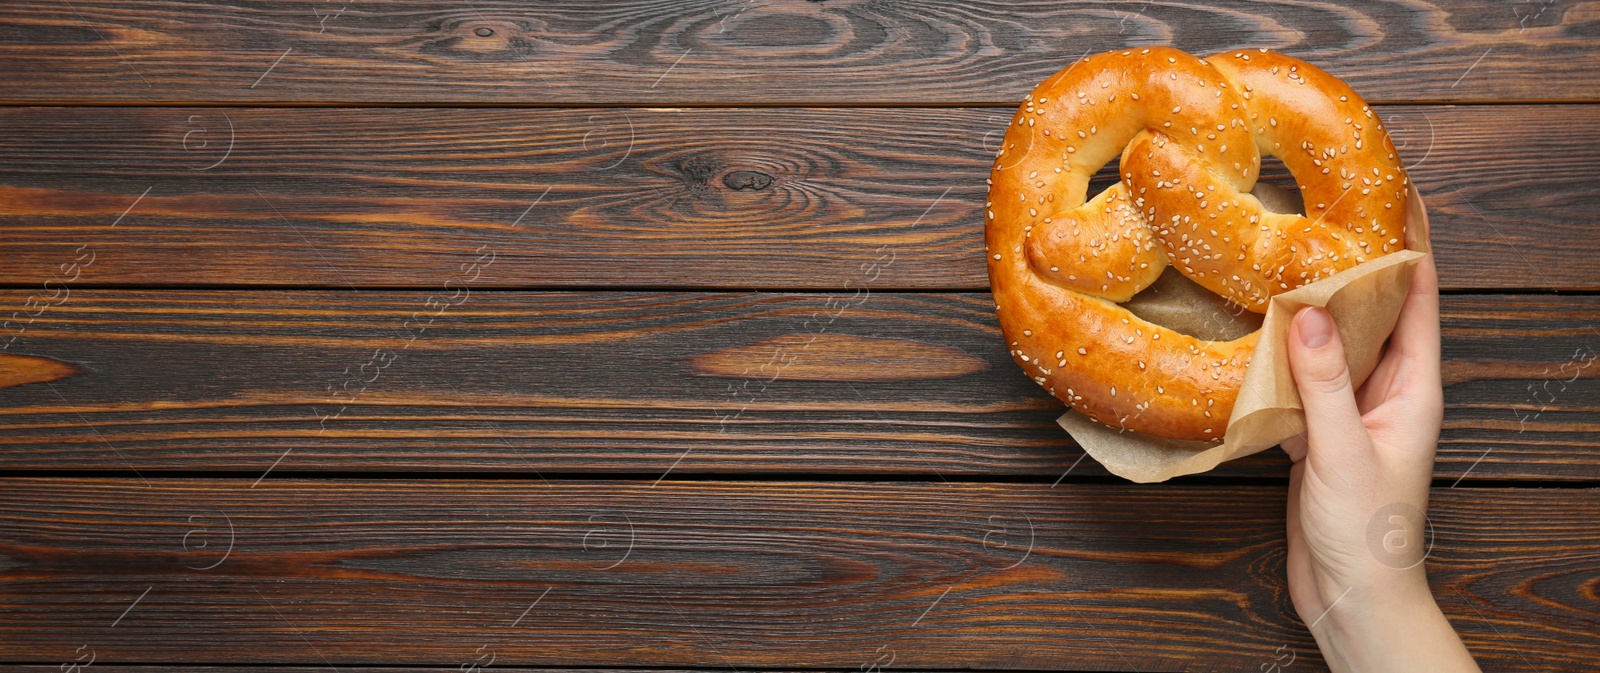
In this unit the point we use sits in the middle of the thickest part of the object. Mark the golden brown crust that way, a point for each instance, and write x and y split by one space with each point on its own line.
1190 132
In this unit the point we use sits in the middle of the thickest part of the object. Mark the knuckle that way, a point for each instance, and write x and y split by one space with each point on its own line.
1326 375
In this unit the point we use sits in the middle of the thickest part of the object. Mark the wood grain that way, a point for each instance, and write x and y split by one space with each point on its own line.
747 575
788 51
21 370
622 382
725 199
324 669
246 668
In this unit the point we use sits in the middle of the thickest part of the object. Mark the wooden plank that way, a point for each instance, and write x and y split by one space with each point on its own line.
464 667
661 198
744 575
185 668
640 383
788 51
324 669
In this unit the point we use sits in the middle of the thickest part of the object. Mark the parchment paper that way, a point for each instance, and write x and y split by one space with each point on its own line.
1365 302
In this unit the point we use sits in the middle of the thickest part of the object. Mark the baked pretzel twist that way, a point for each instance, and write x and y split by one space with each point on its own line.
1191 133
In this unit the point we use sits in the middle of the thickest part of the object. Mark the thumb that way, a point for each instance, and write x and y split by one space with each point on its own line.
1316 358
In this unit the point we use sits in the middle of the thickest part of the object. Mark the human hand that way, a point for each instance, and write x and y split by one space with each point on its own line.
1358 491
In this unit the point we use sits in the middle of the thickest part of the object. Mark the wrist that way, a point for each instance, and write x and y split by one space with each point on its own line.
1365 610
1369 588
1394 626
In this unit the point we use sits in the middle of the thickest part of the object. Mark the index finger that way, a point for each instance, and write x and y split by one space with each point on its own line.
1416 333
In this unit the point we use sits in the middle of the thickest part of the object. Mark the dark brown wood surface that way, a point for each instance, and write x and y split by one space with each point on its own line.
740 574
598 336
736 198
610 382
120 668
788 51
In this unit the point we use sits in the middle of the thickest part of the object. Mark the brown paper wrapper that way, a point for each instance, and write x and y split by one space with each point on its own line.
1365 302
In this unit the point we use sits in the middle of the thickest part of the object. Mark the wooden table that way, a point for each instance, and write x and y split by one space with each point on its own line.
436 333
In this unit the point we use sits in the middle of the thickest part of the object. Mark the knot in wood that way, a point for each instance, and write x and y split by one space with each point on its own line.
742 180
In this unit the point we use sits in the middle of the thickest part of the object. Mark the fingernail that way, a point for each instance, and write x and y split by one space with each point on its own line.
1316 327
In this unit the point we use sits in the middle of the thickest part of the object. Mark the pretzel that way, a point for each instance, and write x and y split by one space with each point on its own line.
1190 132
